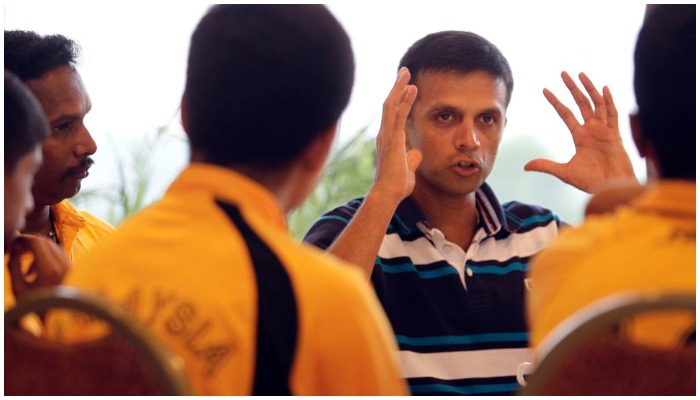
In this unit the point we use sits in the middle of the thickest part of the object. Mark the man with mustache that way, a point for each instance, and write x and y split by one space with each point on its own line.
47 66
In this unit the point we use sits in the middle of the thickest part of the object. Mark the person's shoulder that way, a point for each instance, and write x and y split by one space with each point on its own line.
345 211
326 264
588 237
325 273
521 216
97 224
613 196
329 225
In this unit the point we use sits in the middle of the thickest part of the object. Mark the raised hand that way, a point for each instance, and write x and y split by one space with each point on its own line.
600 156
396 165
395 178
48 267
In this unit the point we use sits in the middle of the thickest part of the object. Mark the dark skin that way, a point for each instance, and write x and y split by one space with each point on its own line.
68 148
48 267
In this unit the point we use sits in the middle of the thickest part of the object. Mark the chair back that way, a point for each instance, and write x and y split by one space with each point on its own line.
128 360
585 355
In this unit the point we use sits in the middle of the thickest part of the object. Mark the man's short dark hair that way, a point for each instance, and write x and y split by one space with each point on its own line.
664 84
30 55
457 51
264 80
25 122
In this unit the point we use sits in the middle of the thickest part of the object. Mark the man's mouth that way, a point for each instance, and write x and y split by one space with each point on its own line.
464 164
80 171
466 168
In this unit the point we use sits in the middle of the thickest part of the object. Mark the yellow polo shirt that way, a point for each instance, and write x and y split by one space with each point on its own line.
183 268
648 245
78 231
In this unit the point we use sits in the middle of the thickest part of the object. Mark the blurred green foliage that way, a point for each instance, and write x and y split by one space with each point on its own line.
349 173
135 174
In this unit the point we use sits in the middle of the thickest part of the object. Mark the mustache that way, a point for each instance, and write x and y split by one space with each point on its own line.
84 165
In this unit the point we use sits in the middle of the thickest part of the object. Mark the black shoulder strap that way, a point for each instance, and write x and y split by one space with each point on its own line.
277 313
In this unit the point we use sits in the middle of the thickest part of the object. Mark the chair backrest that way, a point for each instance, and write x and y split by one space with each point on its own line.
128 360
585 355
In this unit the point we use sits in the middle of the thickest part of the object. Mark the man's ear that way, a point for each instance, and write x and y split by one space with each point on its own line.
315 155
637 136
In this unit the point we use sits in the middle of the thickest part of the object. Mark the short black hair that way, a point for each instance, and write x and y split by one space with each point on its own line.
25 123
30 55
664 84
264 80
457 51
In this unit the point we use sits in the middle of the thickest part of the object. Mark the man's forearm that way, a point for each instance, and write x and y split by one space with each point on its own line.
359 242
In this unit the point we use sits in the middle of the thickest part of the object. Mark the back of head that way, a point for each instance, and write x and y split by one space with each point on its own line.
263 81
30 55
25 124
457 51
664 83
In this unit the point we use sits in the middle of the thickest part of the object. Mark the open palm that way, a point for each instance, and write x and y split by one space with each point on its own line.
600 155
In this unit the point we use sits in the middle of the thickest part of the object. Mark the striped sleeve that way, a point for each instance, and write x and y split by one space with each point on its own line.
328 226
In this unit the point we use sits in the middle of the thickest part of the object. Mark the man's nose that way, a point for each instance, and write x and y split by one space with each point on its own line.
85 144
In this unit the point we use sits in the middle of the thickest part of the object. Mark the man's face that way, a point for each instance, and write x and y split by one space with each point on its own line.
18 193
66 151
456 122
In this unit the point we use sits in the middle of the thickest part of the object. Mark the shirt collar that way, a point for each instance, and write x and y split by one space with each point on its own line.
64 213
68 222
230 186
491 214
672 197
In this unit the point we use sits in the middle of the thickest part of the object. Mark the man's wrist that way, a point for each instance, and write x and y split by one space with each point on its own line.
377 197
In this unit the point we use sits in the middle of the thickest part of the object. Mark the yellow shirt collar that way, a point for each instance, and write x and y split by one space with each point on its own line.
68 222
228 185
675 197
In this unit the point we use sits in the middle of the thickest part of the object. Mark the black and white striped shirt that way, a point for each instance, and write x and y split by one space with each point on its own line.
458 317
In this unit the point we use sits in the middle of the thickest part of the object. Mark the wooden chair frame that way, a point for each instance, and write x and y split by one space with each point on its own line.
168 367
595 320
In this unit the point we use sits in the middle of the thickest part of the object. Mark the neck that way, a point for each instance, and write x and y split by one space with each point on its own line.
38 222
279 182
455 216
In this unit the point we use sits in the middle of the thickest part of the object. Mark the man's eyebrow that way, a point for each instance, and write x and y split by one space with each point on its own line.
64 118
493 110
443 106
448 107
69 116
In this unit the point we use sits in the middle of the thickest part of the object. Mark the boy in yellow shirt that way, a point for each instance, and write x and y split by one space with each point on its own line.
211 267
650 243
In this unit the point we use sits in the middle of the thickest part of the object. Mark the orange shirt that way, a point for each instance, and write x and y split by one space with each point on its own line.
648 245
183 268
78 231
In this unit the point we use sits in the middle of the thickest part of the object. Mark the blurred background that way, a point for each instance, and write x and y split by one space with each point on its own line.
134 59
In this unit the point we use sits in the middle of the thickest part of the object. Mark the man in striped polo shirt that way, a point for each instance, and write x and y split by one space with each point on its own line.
447 260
